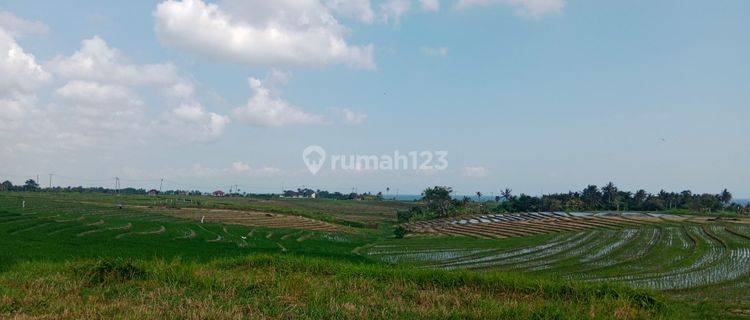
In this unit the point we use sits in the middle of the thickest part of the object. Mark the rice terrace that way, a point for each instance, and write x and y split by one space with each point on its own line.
268 256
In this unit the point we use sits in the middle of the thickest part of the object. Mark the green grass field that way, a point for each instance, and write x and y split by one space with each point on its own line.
80 256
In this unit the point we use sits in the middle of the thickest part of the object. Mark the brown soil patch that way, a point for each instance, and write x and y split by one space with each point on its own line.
255 219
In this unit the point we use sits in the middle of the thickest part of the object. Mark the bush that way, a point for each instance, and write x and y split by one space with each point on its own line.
403 216
400 232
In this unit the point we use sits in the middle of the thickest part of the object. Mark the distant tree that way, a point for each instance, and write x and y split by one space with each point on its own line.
554 205
6 186
591 197
573 204
497 198
726 196
438 199
654 204
639 199
31 185
507 194
609 196
479 196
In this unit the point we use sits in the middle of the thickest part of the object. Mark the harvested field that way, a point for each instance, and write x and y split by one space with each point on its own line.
255 219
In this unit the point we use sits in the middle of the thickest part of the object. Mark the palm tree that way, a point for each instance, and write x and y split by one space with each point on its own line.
507 194
726 196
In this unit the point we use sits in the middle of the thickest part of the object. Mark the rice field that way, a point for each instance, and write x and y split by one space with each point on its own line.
682 255
692 259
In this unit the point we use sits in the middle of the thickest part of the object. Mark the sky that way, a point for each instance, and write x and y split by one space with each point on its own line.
532 95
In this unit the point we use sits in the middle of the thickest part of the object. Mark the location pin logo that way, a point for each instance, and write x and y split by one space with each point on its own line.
314 157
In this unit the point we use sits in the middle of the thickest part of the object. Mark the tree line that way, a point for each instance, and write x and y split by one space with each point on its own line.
439 201
31 185
324 194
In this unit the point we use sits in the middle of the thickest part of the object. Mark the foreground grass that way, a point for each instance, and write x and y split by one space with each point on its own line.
289 287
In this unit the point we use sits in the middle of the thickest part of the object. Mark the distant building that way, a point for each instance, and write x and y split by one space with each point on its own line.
218 193
153 192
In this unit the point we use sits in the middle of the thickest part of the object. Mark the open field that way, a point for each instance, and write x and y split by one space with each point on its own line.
366 214
83 258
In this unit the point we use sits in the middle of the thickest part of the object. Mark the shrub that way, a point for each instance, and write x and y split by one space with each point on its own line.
400 232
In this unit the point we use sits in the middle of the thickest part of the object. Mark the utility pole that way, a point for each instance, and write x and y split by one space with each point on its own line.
161 183
50 181
117 184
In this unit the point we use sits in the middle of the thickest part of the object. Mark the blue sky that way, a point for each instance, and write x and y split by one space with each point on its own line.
535 95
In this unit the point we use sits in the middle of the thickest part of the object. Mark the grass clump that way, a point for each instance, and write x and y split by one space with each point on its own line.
108 271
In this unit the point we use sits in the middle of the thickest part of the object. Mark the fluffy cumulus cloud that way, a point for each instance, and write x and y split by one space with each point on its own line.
267 108
262 33
89 114
19 71
17 26
93 101
525 8
20 77
191 122
97 61
97 65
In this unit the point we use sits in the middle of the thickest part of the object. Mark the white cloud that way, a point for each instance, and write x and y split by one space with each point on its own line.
97 104
95 93
19 71
260 32
18 26
20 77
357 9
350 117
88 114
438 51
97 61
525 8
392 10
430 5
267 108
97 65
241 167
191 122
474 172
